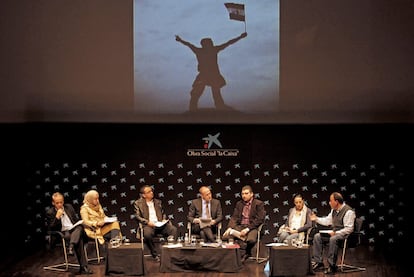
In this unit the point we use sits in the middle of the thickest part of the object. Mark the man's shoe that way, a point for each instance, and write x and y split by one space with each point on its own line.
331 270
317 266
85 270
156 258
70 251
245 257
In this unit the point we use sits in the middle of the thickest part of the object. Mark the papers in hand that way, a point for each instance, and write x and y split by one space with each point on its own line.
76 224
325 232
110 219
237 234
160 223
205 222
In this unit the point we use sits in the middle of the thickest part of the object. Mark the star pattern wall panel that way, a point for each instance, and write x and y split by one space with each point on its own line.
375 188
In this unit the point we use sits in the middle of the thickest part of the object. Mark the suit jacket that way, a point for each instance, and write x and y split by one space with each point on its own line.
54 224
256 217
142 210
196 210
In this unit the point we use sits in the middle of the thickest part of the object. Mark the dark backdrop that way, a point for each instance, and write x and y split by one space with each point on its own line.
367 163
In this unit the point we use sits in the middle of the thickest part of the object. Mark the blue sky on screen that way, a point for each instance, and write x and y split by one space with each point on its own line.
164 69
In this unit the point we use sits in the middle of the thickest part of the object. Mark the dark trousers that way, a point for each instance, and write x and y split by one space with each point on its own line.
76 237
150 232
251 238
206 234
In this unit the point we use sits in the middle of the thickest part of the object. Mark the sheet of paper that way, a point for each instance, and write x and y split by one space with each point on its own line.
175 245
211 244
276 244
205 222
76 224
110 219
160 223
325 231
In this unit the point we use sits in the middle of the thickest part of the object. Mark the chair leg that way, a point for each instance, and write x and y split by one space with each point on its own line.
258 259
350 268
345 267
62 266
98 256
141 239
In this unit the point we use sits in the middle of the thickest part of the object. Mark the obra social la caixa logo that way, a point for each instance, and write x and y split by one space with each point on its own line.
212 147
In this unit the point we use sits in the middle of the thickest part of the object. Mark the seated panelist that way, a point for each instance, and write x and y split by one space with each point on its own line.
204 214
149 211
96 223
63 218
298 221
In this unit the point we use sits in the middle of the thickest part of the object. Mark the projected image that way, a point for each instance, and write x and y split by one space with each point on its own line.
193 56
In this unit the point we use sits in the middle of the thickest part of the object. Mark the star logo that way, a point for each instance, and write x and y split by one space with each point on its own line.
209 150
210 140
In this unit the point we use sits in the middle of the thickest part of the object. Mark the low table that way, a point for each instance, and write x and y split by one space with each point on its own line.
127 259
289 260
183 259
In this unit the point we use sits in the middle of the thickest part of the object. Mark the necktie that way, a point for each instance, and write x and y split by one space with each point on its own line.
207 211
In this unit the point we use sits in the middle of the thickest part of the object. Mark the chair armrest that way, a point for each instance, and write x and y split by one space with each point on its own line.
56 233
189 229
219 226
140 231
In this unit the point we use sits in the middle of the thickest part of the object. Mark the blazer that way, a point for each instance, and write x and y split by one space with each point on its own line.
54 224
91 217
256 217
142 211
196 210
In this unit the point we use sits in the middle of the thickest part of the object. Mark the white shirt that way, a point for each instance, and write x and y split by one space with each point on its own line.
66 223
152 213
348 220
296 219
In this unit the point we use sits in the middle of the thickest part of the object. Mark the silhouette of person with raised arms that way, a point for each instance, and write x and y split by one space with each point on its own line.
209 72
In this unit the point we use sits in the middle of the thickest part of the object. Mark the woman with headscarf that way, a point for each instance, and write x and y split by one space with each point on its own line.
95 221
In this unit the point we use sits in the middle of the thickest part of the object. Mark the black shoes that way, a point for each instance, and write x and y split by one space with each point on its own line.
70 251
156 258
85 270
331 270
245 257
317 266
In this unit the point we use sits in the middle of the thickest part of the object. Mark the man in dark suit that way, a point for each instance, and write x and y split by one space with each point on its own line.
62 217
150 213
204 214
249 213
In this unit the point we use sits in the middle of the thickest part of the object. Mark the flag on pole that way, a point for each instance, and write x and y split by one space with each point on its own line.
236 11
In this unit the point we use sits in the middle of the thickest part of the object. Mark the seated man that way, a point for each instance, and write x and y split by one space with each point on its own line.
248 215
205 213
341 218
150 213
297 223
62 217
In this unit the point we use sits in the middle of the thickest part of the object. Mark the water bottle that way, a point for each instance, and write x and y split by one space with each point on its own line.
186 239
